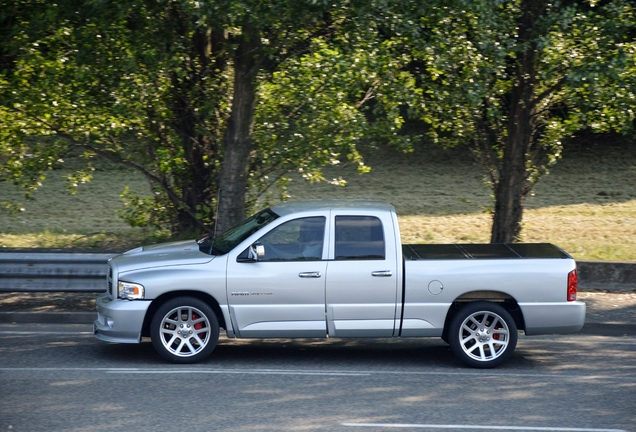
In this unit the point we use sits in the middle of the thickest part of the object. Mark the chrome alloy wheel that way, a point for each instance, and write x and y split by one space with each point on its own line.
484 336
185 331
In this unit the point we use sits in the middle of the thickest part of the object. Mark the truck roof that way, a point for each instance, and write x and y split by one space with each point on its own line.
309 205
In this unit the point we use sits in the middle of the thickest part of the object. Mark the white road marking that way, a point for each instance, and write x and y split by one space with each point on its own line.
187 371
43 333
174 370
249 372
368 373
575 342
479 427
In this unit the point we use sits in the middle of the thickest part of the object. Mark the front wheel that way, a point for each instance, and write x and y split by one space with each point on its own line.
483 334
184 330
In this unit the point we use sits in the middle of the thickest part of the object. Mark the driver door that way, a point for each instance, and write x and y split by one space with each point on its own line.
283 293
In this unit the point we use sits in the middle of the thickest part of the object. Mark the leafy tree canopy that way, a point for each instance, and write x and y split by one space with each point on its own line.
222 98
167 87
514 79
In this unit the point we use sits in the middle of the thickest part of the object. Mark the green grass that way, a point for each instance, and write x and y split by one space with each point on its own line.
587 205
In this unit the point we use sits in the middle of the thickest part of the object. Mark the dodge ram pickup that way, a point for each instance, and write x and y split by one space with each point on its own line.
315 269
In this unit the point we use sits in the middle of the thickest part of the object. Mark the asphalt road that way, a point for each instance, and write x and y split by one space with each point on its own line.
58 377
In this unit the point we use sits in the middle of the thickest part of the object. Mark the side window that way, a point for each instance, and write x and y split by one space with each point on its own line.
359 238
296 240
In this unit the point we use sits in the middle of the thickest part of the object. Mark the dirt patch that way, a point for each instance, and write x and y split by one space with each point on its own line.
609 307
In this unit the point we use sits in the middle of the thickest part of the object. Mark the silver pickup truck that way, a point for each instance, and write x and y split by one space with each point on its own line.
316 269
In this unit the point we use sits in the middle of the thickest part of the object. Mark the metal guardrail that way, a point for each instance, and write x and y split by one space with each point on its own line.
53 271
60 271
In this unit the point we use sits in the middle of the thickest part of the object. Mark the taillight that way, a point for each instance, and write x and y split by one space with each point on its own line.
573 282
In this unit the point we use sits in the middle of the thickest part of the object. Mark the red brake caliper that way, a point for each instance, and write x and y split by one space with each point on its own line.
198 326
497 336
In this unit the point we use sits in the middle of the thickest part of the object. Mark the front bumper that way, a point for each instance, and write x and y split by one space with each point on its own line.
553 318
119 320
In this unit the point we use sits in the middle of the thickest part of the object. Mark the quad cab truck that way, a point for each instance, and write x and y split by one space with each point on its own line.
316 269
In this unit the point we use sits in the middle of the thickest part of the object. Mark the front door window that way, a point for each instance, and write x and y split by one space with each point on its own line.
296 240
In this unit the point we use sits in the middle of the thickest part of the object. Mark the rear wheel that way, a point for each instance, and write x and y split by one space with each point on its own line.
483 334
184 330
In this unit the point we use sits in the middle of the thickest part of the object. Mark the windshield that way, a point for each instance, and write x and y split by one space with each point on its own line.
223 243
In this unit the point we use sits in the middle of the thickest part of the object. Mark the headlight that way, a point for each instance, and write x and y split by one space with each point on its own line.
130 291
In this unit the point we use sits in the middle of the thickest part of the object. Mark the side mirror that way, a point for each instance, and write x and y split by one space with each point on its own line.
256 252
253 253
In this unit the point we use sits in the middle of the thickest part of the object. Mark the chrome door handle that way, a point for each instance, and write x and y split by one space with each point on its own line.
315 274
382 273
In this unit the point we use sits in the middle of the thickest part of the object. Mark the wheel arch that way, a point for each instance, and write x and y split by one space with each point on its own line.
505 300
156 304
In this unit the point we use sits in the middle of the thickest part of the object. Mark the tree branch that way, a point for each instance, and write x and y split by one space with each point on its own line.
370 94
152 177
116 158
547 92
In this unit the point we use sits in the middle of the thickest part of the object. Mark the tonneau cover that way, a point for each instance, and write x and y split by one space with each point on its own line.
483 251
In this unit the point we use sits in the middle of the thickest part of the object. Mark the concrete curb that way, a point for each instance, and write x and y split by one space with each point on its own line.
48 317
607 275
609 329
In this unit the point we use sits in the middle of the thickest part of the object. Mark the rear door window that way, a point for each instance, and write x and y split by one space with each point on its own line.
359 238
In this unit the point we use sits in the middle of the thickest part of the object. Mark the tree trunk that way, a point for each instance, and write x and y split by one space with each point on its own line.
512 184
509 198
196 184
513 176
238 137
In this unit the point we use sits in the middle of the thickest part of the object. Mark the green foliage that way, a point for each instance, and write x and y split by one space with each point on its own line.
513 79
313 111
149 84
143 211
581 76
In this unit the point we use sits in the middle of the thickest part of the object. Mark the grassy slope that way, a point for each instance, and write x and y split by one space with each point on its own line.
587 205
56 218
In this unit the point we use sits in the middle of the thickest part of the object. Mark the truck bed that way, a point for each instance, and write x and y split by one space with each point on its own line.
416 252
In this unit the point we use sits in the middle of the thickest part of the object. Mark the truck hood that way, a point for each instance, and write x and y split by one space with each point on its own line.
161 255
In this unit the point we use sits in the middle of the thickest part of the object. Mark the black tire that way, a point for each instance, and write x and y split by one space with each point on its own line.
483 335
184 330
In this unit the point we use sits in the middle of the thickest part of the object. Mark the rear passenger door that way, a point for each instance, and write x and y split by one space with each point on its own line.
361 289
